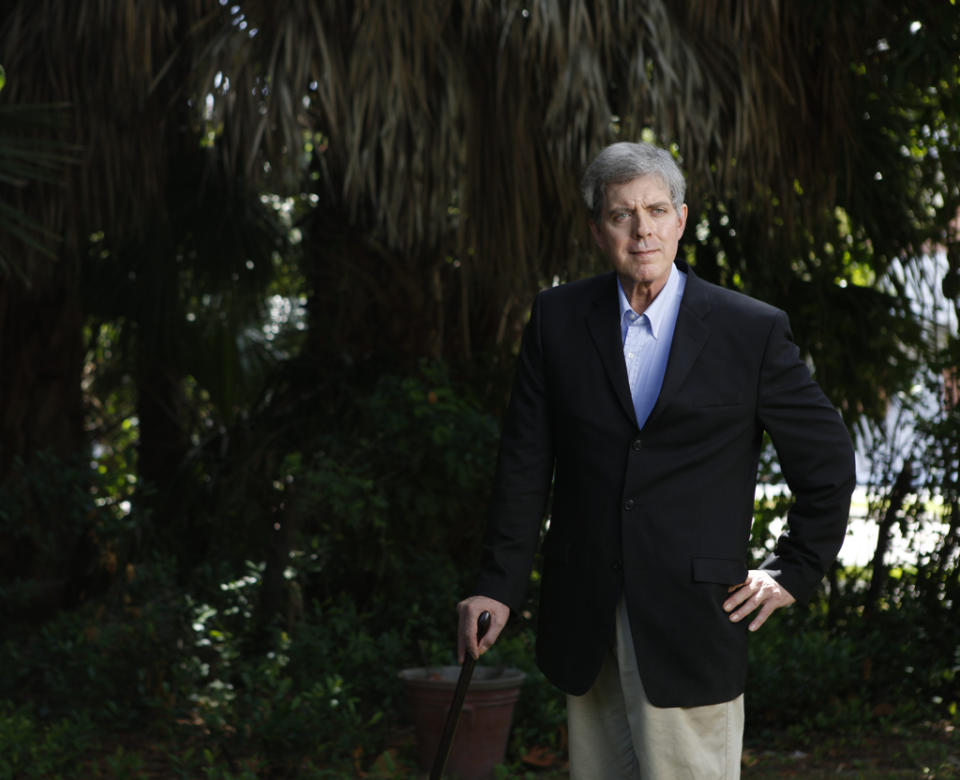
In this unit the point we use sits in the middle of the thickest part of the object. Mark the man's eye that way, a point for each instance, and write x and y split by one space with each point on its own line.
621 215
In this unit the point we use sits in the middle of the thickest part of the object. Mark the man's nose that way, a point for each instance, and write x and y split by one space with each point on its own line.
642 224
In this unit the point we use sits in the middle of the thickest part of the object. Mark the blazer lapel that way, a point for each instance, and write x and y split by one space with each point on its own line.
603 321
689 336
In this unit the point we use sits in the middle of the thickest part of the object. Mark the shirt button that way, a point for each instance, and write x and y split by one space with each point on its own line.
629 504
636 445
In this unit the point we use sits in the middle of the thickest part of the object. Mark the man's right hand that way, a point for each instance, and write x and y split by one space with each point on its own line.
469 610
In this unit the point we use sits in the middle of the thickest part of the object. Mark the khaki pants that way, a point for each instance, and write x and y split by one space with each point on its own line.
615 732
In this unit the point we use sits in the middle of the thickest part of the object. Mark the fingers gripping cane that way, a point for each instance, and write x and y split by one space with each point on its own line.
453 716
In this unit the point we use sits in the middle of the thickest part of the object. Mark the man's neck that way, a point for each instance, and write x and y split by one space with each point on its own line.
640 295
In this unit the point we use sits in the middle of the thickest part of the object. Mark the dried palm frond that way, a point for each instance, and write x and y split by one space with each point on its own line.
461 128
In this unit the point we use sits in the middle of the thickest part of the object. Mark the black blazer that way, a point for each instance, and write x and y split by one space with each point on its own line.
660 514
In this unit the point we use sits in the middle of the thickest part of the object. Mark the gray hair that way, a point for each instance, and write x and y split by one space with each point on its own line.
625 161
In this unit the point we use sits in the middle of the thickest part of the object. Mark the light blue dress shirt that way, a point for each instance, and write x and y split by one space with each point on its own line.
646 342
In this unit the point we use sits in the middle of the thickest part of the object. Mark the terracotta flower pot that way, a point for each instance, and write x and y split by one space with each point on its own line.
481 739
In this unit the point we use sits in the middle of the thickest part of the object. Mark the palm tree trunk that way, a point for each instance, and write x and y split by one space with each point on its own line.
41 427
40 362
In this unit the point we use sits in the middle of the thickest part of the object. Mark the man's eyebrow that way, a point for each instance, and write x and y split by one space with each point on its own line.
628 207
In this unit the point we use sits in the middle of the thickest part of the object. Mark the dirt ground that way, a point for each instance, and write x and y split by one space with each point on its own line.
929 750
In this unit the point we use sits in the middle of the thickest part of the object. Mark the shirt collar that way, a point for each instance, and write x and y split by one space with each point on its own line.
657 310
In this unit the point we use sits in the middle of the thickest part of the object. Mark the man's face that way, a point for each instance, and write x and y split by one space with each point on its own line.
639 231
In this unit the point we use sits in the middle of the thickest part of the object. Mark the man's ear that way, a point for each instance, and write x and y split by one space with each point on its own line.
682 217
597 235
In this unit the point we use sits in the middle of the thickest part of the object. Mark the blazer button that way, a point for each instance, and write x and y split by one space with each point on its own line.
636 445
629 504
616 565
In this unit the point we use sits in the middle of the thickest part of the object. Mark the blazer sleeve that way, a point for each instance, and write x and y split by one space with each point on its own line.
816 458
523 477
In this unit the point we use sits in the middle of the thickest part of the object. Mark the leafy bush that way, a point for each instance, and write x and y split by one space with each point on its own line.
31 748
813 671
48 524
796 668
398 487
112 656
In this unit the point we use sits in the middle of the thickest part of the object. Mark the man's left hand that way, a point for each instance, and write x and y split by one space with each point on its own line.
759 590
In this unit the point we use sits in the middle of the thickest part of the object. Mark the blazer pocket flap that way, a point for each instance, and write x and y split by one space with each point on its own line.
723 571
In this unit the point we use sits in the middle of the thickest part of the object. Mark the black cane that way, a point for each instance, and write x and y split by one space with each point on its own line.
453 716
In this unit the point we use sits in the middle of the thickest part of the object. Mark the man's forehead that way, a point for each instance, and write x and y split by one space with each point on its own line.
651 187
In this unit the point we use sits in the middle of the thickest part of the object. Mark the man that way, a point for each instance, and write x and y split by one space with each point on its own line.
640 399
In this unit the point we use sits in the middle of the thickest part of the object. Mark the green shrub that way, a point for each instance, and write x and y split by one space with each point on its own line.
796 668
810 671
112 659
397 485
31 748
